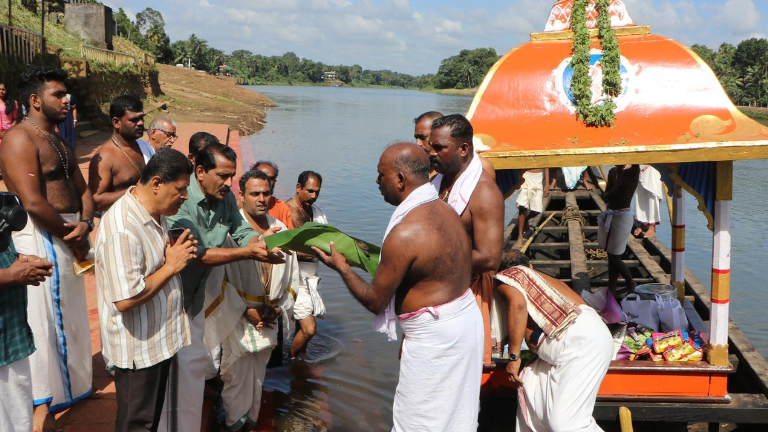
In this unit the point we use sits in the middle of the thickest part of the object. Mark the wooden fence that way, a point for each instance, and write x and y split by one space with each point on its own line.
106 56
22 44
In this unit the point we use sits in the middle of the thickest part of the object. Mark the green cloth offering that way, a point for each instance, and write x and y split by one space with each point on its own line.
358 253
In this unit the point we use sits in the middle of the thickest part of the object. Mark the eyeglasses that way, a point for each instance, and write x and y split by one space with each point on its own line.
170 135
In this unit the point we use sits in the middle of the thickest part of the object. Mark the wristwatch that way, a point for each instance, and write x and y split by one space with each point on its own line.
88 222
513 357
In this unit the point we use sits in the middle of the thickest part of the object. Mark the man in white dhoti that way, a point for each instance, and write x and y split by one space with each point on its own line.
309 304
424 276
615 224
211 214
18 343
264 291
530 200
648 196
558 390
38 166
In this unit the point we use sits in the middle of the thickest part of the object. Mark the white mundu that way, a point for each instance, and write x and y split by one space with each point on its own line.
308 300
531 193
648 196
61 364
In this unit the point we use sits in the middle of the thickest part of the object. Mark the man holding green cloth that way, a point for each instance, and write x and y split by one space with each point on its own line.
211 214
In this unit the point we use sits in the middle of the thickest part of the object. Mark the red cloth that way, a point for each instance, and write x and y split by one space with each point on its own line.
482 288
280 211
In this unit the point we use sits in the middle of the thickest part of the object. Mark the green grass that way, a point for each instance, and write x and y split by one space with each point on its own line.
55 34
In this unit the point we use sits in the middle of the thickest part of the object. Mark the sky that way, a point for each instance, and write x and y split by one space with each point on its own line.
414 36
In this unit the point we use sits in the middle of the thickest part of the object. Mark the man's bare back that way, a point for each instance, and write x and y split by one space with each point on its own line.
483 221
431 243
29 154
112 171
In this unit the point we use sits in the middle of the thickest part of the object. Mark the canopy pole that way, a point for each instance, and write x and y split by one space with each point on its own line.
717 353
678 240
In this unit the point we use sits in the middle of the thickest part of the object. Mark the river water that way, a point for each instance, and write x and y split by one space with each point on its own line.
340 133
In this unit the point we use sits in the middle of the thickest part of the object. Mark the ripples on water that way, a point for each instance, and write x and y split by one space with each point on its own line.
340 133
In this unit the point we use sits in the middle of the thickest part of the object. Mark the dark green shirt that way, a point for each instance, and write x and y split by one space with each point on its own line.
210 225
16 340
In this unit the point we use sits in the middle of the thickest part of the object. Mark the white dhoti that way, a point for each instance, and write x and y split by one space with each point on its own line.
440 368
61 364
614 228
531 193
243 382
648 196
187 378
560 387
16 402
308 300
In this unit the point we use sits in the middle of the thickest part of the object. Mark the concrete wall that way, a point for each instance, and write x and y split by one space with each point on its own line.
90 21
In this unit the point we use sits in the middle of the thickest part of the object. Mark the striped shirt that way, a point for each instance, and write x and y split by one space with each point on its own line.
130 246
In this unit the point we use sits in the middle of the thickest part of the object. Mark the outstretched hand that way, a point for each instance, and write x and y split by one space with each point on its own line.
335 260
513 370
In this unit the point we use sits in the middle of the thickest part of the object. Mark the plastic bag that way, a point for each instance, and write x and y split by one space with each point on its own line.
671 315
645 312
605 304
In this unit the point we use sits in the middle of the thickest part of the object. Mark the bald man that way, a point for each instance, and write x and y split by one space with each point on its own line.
423 276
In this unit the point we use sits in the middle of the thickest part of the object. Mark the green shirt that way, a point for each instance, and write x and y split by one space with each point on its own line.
210 225
16 340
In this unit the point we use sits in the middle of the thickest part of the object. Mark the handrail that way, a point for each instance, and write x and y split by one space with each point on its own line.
20 43
101 55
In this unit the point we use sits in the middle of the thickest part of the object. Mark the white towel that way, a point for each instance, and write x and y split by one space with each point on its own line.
463 187
572 175
386 322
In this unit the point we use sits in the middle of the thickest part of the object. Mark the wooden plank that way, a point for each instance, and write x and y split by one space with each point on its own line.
579 269
743 408
584 213
590 263
563 230
559 245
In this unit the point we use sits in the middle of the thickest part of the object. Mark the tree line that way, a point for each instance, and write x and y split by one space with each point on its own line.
741 69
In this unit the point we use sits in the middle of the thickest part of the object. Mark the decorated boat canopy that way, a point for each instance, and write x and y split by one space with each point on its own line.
667 106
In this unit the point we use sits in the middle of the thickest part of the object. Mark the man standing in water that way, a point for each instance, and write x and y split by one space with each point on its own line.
423 275
466 187
119 161
38 166
615 224
308 301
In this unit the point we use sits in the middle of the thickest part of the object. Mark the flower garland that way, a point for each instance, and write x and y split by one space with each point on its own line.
600 114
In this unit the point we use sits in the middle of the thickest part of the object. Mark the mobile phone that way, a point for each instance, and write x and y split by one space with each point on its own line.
174 234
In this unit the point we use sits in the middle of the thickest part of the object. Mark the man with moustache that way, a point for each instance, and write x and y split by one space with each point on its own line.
423 276
308 301
466 187
119 161
141 311
38 166
277 209
161 134
263 291
211 214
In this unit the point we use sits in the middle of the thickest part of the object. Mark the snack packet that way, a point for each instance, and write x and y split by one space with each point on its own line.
697 355
664 341
679 352
696 340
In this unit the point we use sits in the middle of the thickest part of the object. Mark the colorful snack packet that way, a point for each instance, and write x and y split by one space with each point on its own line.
664 341
695 338
656 357
677 353
697 355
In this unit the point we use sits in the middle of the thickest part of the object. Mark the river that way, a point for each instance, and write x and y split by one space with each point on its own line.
340 133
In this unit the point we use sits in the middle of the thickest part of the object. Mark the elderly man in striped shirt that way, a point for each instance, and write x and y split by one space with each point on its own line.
141 309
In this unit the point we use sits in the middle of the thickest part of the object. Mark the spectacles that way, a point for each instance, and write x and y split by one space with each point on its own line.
170 135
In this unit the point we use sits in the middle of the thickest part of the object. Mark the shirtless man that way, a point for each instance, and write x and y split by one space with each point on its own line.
119 161
560 387
615 224
466 187
38 166
276 208
303 210
421 131
423 275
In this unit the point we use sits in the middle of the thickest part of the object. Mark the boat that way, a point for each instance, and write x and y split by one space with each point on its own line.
672 113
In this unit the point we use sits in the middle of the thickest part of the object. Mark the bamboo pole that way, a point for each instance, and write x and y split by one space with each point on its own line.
625 419
538 229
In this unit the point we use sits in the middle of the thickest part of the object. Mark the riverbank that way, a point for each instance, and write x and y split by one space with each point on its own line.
196 96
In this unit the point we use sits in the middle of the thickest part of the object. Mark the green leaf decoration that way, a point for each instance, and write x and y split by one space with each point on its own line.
358 253
599 115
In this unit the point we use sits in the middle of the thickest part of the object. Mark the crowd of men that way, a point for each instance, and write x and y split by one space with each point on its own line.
188 290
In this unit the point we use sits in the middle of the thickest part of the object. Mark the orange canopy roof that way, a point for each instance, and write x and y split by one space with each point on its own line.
672 108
